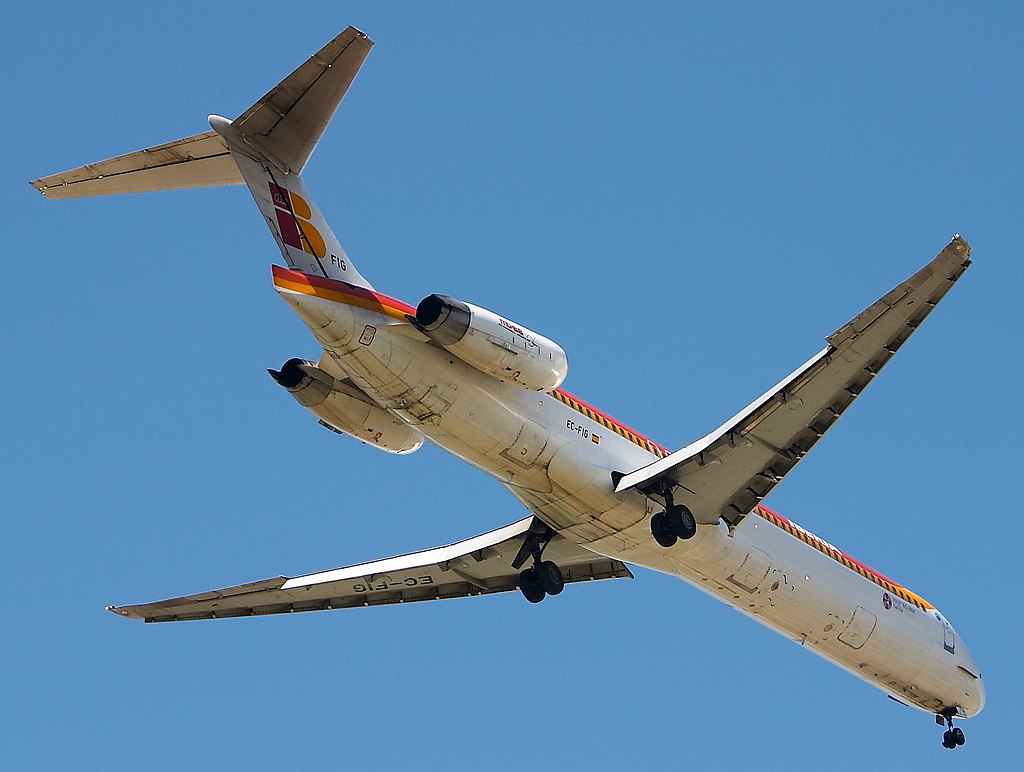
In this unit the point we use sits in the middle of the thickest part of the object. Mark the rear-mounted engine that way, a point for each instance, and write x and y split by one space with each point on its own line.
343 407
493 344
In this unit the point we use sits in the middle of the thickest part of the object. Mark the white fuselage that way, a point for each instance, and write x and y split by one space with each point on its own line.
556 455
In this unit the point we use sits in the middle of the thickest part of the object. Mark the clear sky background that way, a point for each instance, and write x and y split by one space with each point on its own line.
688 197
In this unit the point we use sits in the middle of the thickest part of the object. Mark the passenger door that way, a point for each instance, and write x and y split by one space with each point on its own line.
948 637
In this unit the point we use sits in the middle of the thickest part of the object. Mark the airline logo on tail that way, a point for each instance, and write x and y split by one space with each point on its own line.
293 220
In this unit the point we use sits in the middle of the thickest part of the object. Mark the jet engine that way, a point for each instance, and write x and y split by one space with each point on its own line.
493 344
342 406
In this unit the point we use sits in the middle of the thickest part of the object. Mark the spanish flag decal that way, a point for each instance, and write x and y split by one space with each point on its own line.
595 438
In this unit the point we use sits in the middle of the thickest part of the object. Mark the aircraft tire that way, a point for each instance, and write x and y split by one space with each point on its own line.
661 532
530 586
958 736
681 521
550 577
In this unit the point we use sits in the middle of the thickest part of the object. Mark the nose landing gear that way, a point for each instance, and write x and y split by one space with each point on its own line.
954 735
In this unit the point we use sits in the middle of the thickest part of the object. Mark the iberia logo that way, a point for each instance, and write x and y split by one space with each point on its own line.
293 219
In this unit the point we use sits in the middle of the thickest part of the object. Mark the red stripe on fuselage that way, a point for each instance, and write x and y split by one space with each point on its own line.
335 287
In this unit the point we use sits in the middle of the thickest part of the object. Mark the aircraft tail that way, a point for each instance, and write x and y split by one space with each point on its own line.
266 147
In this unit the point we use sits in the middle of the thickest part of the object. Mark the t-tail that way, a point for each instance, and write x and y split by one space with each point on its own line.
266 147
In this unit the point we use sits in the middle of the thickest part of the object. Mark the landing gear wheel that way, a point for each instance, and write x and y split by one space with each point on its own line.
954 735
661 531
680 519
543 577
549 575
530 586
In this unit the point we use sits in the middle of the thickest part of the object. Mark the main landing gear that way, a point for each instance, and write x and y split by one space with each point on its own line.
954 735
544 577
676 522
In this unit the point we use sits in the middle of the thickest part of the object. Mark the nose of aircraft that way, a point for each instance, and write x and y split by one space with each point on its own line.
974 686
975 699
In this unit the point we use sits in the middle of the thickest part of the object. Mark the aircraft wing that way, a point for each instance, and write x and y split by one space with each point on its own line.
728 472
478 566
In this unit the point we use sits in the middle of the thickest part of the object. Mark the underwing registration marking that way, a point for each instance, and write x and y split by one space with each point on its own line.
387 583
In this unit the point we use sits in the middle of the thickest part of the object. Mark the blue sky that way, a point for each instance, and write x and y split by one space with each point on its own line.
687 198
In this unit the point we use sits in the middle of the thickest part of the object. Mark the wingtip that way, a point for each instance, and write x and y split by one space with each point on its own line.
960 244
122 611
358 33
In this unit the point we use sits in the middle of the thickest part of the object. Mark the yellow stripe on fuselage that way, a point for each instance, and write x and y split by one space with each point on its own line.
340 292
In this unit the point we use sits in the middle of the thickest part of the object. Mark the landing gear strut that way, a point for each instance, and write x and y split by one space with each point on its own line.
676 522
954 735
544 577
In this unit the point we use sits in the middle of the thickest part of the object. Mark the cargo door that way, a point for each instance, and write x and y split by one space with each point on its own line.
527 446
752 570
856 634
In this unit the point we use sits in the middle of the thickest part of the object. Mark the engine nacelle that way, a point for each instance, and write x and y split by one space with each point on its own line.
492 343
342 406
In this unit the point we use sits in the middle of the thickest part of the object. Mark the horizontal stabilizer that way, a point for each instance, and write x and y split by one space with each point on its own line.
478 566
200 161
282 128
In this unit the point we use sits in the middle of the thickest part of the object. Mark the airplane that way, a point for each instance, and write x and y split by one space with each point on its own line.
487 389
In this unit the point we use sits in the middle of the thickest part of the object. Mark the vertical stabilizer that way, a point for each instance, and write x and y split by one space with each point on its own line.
306 242
272 141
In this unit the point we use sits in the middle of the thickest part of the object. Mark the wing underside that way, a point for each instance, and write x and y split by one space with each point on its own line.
479 566
728 472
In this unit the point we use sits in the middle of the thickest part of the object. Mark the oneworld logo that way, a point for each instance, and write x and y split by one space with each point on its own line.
293 220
